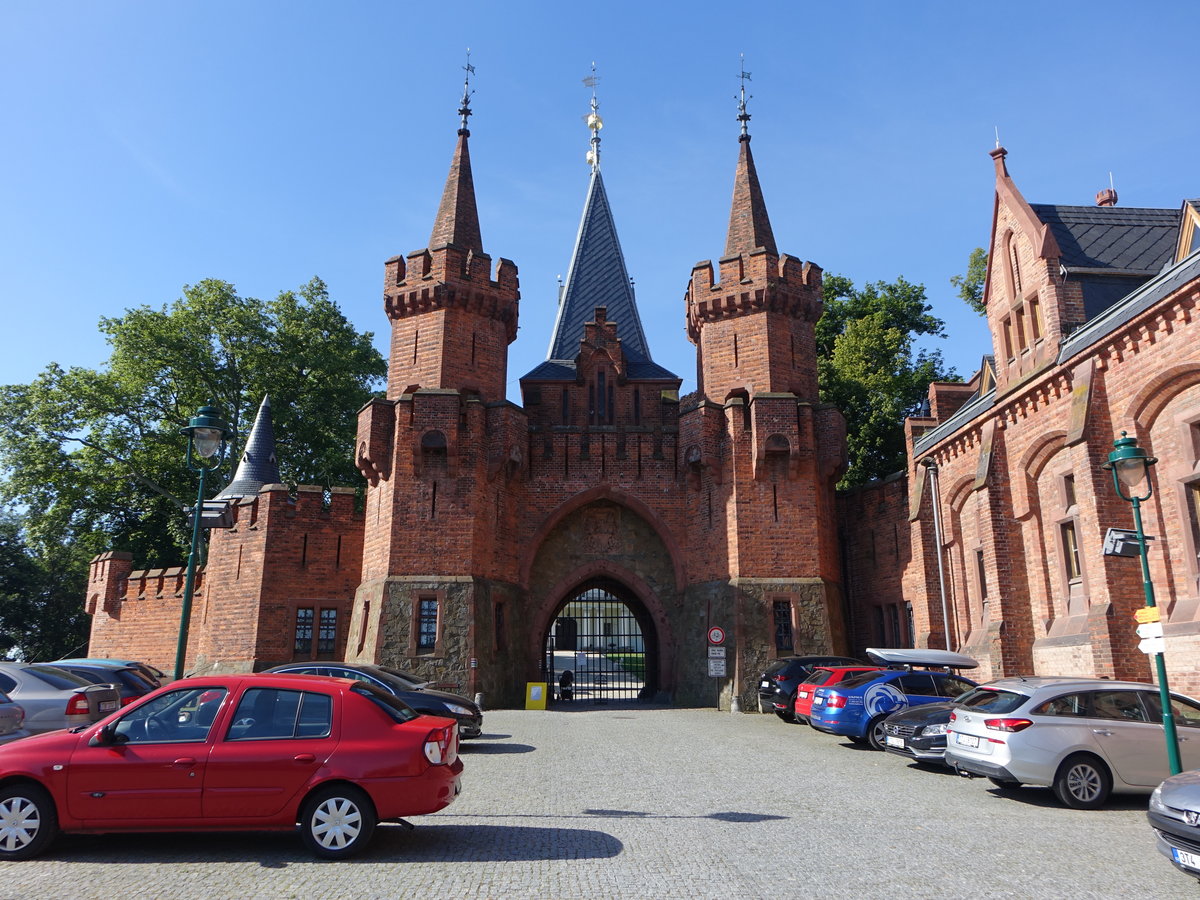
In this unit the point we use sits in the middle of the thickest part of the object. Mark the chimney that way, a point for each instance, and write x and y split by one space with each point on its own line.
1106 197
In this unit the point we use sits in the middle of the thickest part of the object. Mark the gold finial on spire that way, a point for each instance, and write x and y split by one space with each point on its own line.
594 122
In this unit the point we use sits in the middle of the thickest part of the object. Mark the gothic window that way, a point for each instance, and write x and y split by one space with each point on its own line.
1009 344
783 626
427 624
601 394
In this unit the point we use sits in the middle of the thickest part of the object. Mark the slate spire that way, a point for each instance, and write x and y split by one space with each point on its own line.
457 219
597 277
259 465
749 226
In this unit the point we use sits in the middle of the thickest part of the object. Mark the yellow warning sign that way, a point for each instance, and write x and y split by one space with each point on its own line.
1148 614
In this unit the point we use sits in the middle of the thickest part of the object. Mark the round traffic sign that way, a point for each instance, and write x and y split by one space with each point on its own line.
716 635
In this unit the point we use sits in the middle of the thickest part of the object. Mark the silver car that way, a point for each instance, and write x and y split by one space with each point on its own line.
1084 737
1175 817
12 720
53 698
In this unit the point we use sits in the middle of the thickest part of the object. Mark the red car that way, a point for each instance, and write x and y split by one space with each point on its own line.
233 753
821 676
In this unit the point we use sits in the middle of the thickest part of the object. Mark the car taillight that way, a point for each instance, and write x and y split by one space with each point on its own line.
77 705
20 715
953 717
125 701
1007 724
835 701
441 745
780 678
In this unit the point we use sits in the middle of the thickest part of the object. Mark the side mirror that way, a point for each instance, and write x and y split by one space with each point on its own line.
107 737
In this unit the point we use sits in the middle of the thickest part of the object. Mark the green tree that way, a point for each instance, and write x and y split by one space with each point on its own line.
94 458
970 285
869 368
41 616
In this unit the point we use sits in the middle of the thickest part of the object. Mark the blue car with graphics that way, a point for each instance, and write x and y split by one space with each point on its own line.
857 707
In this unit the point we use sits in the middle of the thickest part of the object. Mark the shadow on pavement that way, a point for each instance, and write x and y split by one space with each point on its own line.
475 746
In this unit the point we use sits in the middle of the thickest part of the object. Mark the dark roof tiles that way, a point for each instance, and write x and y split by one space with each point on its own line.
1112 237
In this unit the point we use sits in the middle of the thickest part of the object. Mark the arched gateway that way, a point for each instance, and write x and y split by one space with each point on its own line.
601 646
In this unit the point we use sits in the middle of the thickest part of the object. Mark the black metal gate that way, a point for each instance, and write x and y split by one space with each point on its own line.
596 650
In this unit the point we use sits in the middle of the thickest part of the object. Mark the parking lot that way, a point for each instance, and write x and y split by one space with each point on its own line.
614 802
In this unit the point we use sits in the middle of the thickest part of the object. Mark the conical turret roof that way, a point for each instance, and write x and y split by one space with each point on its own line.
749 226
259 465
457 219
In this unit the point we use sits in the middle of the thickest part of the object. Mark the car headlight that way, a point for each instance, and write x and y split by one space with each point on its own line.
1156 803
939 728
459 710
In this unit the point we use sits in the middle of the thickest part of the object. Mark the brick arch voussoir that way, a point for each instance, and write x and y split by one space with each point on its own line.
603 492
1030 467
1153 398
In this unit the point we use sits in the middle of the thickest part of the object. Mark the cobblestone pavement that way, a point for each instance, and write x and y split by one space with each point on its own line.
607 802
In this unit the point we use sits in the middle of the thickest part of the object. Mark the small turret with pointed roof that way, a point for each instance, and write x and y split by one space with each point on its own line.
452 316
749 225
753 323
259 465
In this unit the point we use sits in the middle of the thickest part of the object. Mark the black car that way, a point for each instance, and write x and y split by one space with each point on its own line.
399 684
918 732
130 682
778 683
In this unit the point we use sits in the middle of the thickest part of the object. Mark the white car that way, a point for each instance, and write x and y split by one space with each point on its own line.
1084 737
53 698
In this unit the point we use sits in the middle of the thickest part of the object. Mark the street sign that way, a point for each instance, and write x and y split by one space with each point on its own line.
716 635
1148 614
1150 645
716 668
716 652
1150 630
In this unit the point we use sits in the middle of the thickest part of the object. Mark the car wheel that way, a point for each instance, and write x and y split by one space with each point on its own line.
28 821
1082 782
1004 785
337 821
876 734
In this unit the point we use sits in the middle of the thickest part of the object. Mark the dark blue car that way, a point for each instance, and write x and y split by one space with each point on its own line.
857 707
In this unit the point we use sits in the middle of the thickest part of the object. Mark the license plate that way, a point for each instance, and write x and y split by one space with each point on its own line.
966 740
818 701
802 694
893 741
108 705
1189 860
765 684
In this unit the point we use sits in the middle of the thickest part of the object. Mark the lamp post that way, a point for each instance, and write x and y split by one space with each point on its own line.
929 463
1130 467
207 435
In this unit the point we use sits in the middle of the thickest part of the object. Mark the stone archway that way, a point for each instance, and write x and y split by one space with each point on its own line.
607 546
601 646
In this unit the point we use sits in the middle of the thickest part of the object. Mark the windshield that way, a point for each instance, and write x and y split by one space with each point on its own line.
412 680
396 709
991 700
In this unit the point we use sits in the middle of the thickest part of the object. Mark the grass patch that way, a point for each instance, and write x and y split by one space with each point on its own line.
633 663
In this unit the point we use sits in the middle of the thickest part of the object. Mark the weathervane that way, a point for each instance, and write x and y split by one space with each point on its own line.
465 109
743 116
594 122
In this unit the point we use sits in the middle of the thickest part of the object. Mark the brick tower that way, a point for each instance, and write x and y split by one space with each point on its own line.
762 454
431 509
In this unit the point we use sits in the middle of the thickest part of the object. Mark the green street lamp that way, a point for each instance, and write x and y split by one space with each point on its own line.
207 435
1130 467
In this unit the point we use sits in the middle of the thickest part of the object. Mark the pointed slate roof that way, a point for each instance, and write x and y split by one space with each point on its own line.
597 277
258 465
749 226
457 219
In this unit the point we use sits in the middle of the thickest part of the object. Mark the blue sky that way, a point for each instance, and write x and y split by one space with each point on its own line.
150 145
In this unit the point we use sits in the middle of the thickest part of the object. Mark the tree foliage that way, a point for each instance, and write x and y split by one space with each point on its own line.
93 458
869 368
41 613
970 285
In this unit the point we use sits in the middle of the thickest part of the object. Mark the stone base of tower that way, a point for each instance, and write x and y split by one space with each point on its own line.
472 620
745 608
